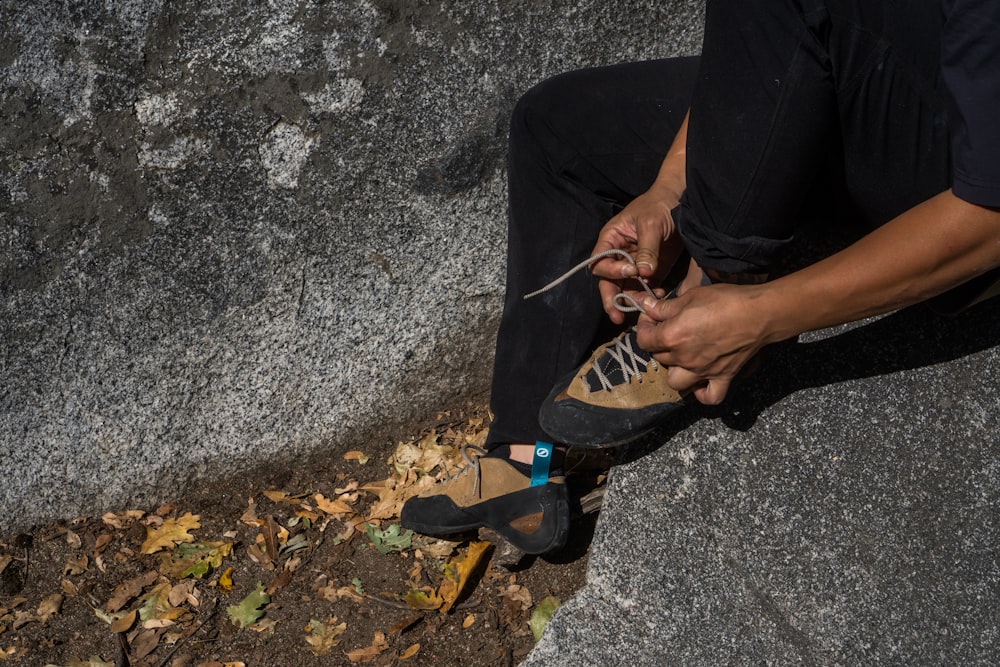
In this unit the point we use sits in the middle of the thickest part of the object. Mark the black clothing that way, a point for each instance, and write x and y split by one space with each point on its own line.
857 95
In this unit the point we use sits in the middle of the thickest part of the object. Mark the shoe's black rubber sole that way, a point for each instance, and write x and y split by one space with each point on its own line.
438 515
572 422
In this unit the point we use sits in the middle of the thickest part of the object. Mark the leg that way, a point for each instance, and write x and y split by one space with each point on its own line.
582 145
780 89
841 82
762 118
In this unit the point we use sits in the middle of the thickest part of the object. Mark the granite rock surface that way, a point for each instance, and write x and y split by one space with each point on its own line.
843 508
237 231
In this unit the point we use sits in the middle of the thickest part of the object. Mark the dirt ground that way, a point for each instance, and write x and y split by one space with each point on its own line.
275 569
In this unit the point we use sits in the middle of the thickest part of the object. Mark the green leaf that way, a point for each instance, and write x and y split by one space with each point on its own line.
196 559
357 586
542 614
390 539
249 610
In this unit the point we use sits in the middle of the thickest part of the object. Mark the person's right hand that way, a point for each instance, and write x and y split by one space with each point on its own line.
645 229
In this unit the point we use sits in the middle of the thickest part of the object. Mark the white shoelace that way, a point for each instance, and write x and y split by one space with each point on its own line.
471 463
620 349
629 360
623 302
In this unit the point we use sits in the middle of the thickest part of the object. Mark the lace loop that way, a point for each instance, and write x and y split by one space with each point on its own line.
623 302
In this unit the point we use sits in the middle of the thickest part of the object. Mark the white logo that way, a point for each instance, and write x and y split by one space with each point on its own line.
543 453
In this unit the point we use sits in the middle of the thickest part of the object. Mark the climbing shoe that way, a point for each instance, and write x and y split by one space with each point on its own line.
618 395
491 491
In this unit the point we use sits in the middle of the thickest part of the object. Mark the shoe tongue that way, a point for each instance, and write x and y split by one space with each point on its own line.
611 367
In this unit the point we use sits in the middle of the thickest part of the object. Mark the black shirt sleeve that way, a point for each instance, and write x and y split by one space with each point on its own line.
970 67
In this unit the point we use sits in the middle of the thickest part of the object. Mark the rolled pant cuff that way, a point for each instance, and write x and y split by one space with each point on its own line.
712 249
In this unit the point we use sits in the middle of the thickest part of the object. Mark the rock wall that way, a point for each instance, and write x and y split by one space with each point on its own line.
231 230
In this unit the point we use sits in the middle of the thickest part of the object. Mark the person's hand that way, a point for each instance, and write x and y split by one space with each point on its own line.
704 337
645 229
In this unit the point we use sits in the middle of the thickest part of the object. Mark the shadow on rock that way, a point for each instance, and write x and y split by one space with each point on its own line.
905 340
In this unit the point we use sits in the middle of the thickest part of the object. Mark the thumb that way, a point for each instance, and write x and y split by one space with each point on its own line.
712 393
658 309
647 258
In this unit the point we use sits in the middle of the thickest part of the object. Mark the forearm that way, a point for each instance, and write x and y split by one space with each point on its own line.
672 176
927 250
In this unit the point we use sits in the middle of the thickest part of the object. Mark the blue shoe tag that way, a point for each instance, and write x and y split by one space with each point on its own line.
540 463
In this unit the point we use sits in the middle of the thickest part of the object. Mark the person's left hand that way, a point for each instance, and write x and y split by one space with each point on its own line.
704 337
645 229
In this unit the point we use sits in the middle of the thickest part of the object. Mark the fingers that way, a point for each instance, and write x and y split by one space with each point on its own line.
647 256
617 234
708 392
712 393
659 309
641 228
611 268
609 290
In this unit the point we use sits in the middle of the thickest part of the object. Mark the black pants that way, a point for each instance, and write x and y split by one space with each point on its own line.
844 93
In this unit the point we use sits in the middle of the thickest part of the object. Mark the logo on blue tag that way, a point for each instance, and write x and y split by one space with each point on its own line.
540 463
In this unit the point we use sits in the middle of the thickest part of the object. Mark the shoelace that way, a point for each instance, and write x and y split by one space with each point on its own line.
629 360
620 349
470 464
623 302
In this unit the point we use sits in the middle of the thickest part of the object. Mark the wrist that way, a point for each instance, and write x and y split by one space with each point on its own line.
670 182
774 307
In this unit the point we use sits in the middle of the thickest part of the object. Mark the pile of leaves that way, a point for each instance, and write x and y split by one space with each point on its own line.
158 588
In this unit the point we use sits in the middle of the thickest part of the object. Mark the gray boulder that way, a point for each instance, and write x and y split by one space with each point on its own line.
842 509
237 231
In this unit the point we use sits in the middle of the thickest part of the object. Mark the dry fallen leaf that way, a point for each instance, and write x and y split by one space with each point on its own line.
226 580
22 618
264 627
519 595
469 620
75 566
410 652
458 572
334 507
103 540
125 623
333 593
350 528
391 498
171 533
156 607
250 516
145 643
355 455
350 486
365 654
128 590
49 606
69 588
416 573
322 637
424 599
433 547
183 592
258 556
